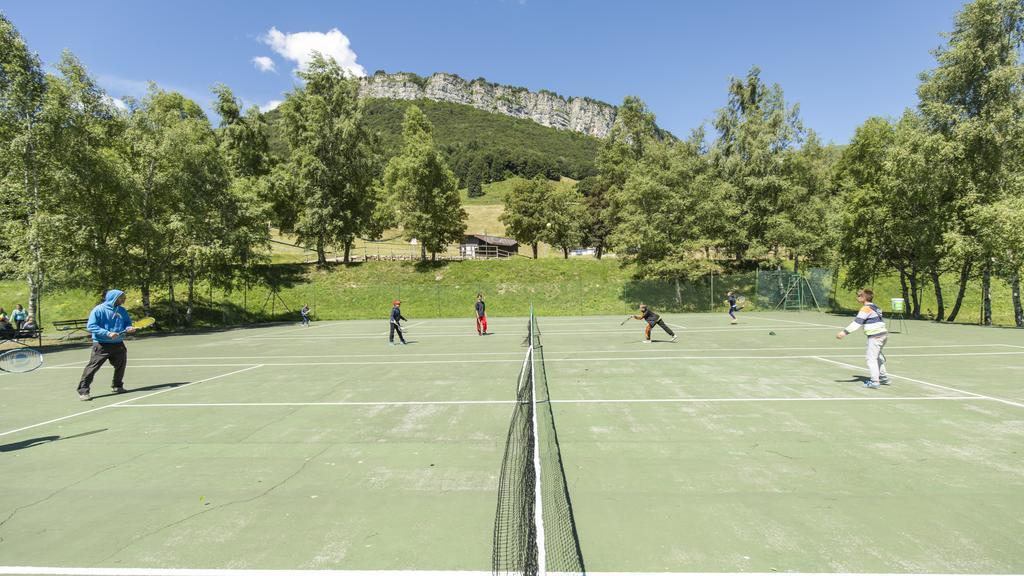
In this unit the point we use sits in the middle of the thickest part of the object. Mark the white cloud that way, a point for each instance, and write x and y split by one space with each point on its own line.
117 103
264 64
270 105
300 46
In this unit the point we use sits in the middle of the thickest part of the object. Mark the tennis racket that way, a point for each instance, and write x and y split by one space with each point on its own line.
628 318
21 360
741 301
142 323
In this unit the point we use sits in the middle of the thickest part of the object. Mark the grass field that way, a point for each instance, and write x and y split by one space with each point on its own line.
322 448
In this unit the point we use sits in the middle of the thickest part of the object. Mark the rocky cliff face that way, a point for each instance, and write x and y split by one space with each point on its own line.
545 108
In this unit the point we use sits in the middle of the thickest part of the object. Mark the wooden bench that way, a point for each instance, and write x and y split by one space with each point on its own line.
72 325
19 336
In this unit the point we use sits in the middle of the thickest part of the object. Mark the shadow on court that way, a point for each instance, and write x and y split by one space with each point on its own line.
855 378
129 391
33 442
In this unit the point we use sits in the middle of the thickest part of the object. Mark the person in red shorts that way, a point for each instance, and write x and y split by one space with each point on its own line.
481 315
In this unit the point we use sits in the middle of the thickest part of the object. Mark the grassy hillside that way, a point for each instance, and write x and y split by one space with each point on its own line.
511 145
456 124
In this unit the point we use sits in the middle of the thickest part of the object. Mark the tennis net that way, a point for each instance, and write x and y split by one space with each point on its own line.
534 528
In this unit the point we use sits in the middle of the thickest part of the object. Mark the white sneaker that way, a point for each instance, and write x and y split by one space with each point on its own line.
674 338
646 341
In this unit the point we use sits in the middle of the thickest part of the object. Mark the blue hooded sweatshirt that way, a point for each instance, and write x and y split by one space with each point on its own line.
106 318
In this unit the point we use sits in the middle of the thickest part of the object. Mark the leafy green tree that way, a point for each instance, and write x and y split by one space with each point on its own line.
85 210
525 215
174 163
244 139
672 209
566 216
244 144
475 178
975 98
22 156
331 177
894 177
423 188
633 131
801 221
596 202
1001 234
756 131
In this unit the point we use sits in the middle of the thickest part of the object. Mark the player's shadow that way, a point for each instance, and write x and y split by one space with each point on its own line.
33 442
855 378
128 391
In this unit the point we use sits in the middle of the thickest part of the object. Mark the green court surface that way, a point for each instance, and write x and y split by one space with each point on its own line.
324 449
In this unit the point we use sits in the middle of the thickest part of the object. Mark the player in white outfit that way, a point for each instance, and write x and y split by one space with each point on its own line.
870 318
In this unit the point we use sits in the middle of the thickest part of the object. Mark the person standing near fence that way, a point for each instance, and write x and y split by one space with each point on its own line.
305 314
108 323
396 326
870 318
481 315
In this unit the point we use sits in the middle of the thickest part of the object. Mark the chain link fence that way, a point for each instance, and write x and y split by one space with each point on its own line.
763 290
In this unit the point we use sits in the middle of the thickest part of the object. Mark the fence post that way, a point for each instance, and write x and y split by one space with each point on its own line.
712 292
757 285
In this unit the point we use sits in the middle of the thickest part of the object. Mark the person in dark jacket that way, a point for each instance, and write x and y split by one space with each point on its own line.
396 318
481 315
652 319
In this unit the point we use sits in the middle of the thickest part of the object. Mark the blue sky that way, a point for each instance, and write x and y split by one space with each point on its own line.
841 61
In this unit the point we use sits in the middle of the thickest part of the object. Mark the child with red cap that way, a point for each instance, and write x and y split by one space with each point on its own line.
396 317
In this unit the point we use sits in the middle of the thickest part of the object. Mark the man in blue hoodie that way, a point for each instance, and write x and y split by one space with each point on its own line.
108 323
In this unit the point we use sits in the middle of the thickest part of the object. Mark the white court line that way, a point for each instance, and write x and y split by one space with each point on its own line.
274 404
518 354
70 571
958 390
543 333
680 326
617 358
804 323
565 401
67 364
406 327
310 327
126 401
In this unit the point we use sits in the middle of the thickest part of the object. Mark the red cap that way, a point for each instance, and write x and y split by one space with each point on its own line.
396 302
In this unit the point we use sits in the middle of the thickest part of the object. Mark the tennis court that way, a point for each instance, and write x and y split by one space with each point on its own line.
324 449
